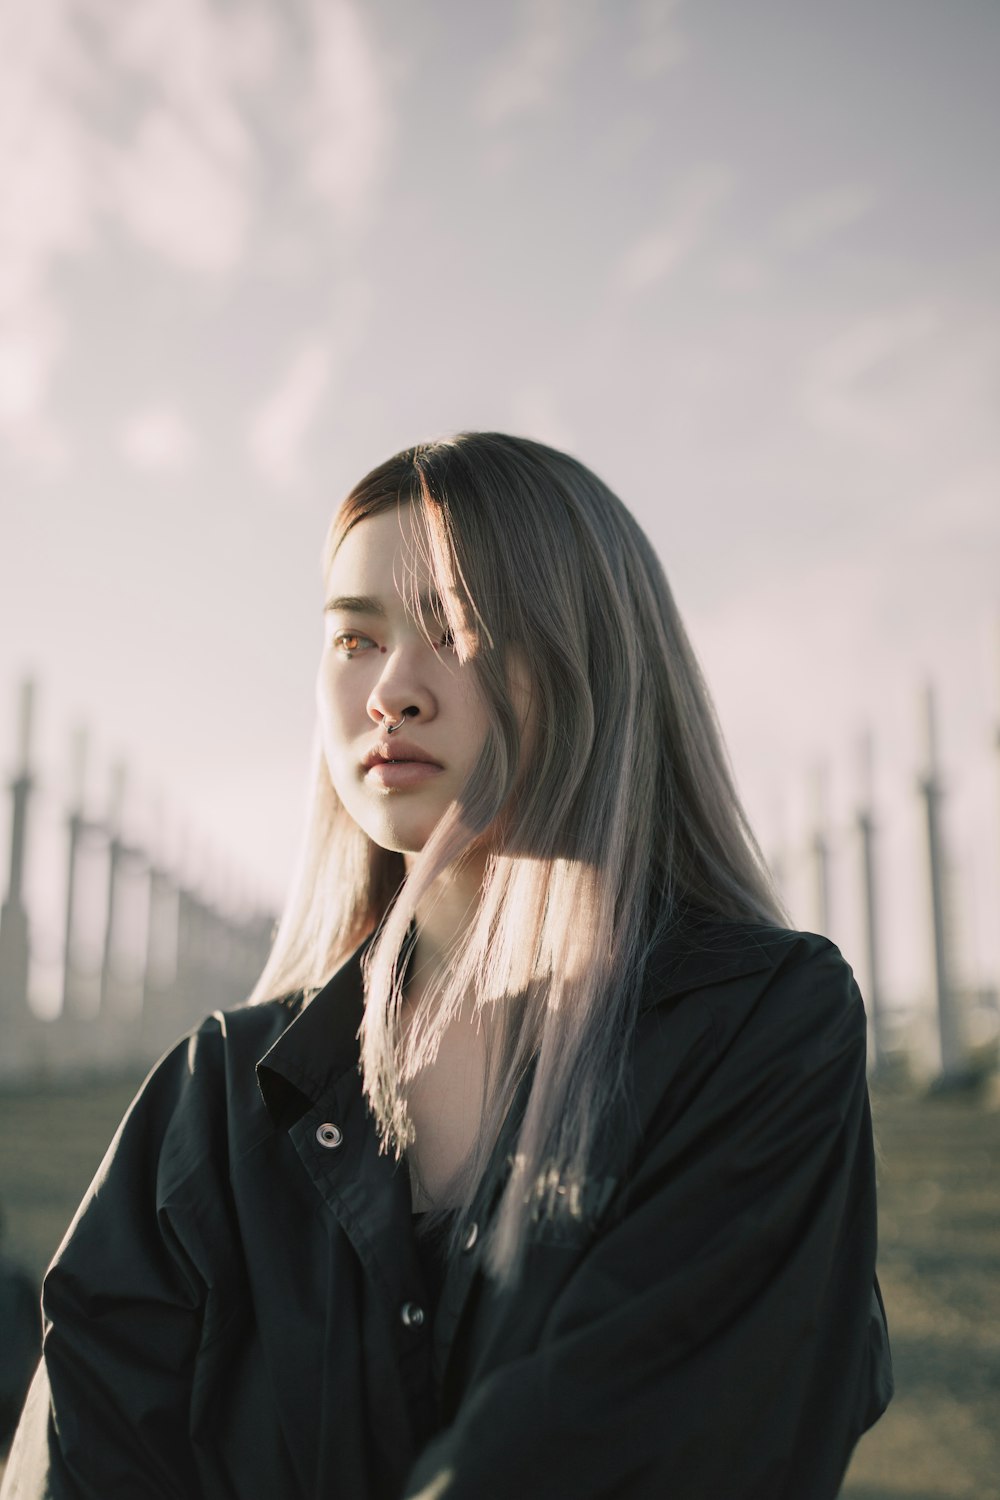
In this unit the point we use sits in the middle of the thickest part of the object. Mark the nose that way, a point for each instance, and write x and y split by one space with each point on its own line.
400 694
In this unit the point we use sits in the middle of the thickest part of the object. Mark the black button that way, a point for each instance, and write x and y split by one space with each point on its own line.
411 1315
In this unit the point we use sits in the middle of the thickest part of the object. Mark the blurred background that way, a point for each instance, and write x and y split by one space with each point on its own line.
743 261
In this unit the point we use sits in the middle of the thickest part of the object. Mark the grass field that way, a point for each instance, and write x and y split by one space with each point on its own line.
939 1265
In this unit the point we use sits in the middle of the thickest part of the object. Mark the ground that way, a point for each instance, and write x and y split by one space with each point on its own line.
939 1266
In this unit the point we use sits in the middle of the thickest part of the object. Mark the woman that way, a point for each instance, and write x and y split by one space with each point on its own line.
562 1184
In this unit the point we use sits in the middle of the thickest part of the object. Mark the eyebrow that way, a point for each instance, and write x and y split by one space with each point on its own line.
355 604
367 604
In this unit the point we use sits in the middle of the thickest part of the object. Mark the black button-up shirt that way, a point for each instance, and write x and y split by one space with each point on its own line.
239 1309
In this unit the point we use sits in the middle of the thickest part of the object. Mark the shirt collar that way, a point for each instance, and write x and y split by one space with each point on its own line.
321 1043
317 1047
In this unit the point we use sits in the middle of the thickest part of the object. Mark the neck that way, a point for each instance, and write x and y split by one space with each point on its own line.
443 916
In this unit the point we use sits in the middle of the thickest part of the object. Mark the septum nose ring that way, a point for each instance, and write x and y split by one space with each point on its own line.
391 728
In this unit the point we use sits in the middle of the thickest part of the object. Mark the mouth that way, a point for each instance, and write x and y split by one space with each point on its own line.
385 754
393 767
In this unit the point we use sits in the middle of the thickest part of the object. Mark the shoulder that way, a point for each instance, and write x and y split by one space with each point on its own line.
200 1102
172 1158
755 1007
739 970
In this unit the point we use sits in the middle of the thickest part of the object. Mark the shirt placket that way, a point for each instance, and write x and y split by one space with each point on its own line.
368 1192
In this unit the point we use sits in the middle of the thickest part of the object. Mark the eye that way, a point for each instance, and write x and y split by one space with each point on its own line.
347 642
437 632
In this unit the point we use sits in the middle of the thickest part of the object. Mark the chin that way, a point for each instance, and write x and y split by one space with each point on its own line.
399 836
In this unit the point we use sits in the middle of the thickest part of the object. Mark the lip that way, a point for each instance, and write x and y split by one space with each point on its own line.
396 766
398 752
399 774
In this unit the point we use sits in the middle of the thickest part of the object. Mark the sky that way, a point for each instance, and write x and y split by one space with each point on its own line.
742 260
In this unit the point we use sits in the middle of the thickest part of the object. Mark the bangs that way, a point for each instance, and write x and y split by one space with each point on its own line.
449 606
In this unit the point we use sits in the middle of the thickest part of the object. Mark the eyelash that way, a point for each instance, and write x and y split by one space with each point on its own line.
349 635
355 635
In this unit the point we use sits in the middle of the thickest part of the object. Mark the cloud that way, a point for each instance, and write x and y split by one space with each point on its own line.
198 55
157 438
44 168
139 116
281 424
29 347
180 181
32 335
180 197
864 381
527 78
660 45
46 213
183 181
820 215
344 125
656 254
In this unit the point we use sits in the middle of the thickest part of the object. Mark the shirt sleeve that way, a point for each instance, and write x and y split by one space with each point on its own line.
126 1304
723 1338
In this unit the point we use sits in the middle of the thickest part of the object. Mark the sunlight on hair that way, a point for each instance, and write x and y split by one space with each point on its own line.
469 629
603 798
438 1487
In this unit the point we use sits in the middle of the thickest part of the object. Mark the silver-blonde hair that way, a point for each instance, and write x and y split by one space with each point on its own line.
618 810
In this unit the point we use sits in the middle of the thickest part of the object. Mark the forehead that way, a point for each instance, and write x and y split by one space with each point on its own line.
380 552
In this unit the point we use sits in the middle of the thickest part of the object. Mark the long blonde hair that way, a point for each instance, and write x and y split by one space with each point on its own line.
618 809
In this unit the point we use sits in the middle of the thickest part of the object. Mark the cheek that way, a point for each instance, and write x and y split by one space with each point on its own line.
337 707
468 714
339 750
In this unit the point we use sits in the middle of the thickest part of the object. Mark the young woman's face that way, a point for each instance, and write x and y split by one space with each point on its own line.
377 666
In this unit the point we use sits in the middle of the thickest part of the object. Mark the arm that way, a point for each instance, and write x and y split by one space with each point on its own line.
714 1344
124 1305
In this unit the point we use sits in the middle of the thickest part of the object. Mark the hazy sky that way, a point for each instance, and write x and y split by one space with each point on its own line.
742 259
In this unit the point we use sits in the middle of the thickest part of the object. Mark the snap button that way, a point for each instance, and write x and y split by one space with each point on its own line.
411 1315
329 1135
471 1236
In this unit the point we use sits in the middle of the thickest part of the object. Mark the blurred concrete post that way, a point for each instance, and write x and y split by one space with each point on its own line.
949 1029
996 679
15 949
866 831
115 853
777 859
75 824
820 851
